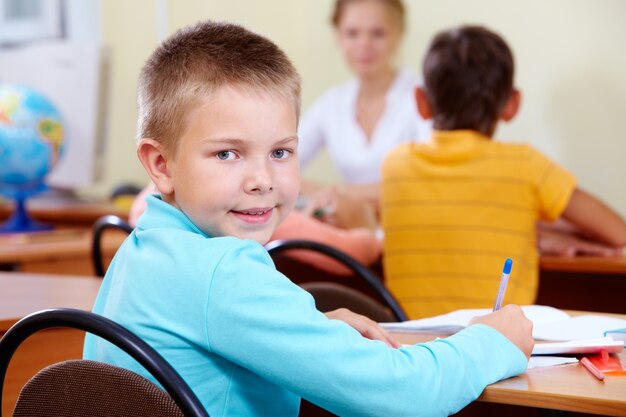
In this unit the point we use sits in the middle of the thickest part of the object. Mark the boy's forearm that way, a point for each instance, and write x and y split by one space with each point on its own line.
552 242
595 218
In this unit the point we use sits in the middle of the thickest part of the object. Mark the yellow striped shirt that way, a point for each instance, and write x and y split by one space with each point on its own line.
454 209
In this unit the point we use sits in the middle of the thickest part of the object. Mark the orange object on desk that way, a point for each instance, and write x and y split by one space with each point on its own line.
609 365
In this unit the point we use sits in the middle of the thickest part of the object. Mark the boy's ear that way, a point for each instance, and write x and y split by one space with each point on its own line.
423 107
155 162
512 106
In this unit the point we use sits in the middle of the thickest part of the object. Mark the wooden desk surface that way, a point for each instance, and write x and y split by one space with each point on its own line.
62 251
56 244
566 387
65 211
586 264
22 294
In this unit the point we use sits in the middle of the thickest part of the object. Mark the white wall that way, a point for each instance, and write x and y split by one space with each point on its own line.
571 67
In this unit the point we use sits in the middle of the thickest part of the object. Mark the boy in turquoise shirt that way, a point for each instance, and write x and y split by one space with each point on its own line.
218 112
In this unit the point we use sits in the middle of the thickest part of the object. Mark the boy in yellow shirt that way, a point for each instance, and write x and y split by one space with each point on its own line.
454 208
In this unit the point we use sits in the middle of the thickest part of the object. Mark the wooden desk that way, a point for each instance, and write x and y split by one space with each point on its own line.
583 283
65 212
587 264
566 387
66 249
22 294
63 251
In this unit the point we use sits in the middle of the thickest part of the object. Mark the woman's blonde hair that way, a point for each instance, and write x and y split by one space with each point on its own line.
395 8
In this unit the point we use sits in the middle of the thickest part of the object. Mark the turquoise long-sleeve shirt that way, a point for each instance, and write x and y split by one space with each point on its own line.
249 342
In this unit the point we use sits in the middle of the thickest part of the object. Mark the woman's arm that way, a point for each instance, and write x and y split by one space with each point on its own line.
139 204
359 243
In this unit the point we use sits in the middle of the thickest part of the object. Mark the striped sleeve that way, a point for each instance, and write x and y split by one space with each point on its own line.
553 183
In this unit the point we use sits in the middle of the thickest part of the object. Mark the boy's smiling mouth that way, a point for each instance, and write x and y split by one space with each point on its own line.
255 215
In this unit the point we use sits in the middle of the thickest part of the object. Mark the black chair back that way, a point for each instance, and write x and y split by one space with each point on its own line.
105 222
359 270
331 296
105 328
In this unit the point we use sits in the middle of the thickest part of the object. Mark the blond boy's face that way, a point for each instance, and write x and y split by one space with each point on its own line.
235 171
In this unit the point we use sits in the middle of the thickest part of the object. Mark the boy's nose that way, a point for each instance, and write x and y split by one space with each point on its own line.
259 180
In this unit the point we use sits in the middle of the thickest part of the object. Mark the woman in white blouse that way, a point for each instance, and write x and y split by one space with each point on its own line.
360 121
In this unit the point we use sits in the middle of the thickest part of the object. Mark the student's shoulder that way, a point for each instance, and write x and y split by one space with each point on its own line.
403 149
230 246
399 157
222 257
518 149
209 251
241 252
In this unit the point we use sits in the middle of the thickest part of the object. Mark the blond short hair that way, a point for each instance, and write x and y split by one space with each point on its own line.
196 61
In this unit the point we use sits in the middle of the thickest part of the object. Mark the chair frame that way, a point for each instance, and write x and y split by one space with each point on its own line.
277 246
105 222
107 329
330 295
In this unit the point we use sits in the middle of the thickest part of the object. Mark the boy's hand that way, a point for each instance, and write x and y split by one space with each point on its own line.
511 322
367 327
566 245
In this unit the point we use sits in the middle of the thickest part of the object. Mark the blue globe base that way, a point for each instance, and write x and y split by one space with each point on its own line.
20 221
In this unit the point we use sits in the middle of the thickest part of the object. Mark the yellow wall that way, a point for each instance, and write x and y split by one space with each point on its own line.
571 67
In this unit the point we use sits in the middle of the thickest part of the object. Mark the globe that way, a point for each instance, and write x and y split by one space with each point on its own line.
31 143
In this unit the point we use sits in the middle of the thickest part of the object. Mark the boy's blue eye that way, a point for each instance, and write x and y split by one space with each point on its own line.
281 153
225 155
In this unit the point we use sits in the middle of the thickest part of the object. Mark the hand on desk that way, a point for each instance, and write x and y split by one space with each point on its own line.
513 324
334 206
561 239
368 328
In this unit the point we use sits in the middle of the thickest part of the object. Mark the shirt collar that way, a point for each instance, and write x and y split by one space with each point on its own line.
454 144
160 214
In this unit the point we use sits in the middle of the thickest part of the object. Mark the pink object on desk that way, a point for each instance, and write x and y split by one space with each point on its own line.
592 368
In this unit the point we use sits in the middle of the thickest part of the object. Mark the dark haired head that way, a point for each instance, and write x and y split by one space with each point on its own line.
468 77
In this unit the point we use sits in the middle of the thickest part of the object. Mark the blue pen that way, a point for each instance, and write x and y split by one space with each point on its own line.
504 280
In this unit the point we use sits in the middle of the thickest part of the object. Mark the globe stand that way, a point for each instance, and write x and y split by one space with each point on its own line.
20 221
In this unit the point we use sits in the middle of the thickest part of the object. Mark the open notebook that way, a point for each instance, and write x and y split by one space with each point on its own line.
578 334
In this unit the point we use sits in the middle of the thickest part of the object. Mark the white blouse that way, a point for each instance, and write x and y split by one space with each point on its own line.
331 121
